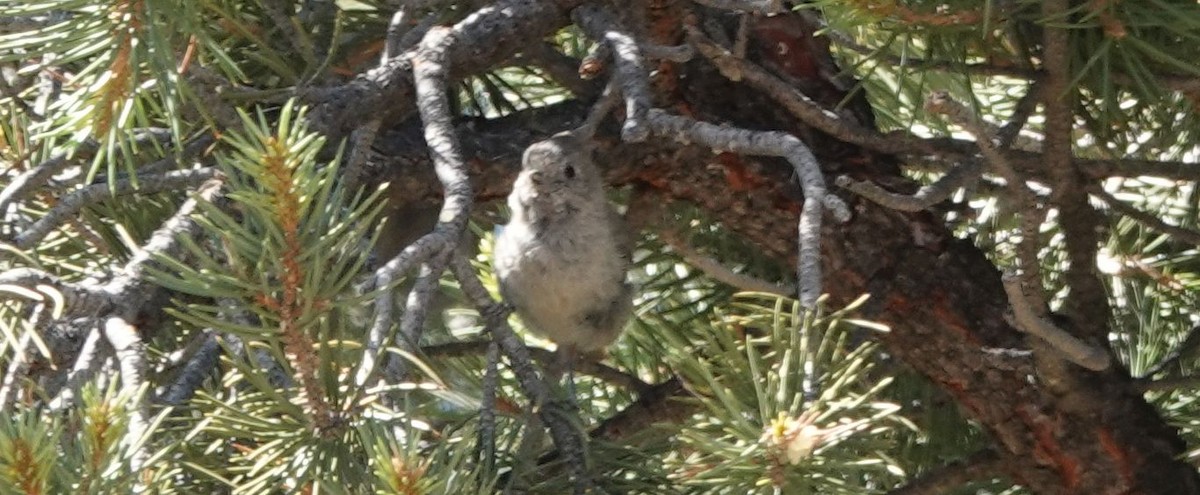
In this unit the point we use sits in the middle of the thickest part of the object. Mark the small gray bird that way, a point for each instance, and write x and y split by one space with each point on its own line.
562 258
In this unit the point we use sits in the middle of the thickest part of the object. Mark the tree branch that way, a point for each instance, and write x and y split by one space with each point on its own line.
68 206
1179 233
489 36
1087 305
1029 320
198 368
980 465
630 74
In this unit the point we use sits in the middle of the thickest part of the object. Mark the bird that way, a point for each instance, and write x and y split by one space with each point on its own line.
562 259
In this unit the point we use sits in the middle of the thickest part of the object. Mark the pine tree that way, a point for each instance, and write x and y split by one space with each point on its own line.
883 246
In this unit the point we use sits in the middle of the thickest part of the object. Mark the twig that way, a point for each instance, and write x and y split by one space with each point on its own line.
280 12
416 311
801 106
1185 348
599 110
961 175
77 200
27 182
1029 321
430 73
396 29
1168 81
491 35
1168 384
1031 213
677 53
1183 234
487 408
198 368
77 299
783 144
560 68
360 148
978 466
414 35
656 404
86 364
741 41
1025 107
1087 304
165 241
713 268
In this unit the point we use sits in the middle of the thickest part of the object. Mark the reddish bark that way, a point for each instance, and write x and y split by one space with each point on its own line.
1058 428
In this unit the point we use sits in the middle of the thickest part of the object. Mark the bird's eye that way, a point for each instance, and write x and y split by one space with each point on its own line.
570 172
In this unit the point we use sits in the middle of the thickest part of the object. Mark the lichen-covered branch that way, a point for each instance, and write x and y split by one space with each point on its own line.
431 75
131 356
197 368
490 35
71 204
642 122
601 25
780 144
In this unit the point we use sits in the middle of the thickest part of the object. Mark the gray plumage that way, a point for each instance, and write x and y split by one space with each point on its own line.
562 258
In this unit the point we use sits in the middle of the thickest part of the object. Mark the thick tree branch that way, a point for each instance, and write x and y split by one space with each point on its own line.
1087 304
487 37
980 465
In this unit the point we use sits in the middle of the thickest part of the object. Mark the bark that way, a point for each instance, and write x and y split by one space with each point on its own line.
1056 428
